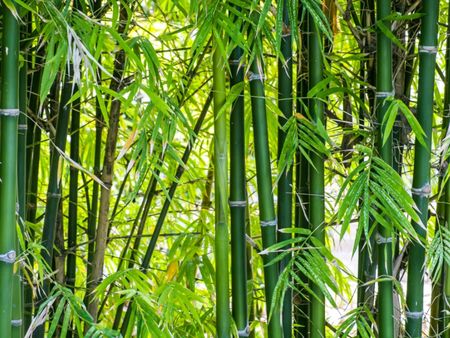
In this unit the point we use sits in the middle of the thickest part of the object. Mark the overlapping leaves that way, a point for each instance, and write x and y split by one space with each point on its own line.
375 192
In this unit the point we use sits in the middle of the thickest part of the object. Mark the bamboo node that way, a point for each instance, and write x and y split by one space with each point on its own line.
54 195
234 62
253 77
385 94
245 332
414 315
22 127
382 240
425 191
16 322
271 223
9 257
237 204
428 49
10 112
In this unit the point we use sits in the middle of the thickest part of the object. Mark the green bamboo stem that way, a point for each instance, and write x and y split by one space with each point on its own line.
32 170
367 250
284 210
221 196
238 201
440 292
317 186
301 309
384 90
421 179
9 113
18 292
73 196
265 198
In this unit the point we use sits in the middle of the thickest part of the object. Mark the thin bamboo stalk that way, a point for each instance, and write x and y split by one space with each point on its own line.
284 211
238 200
301 309
221 196
9 113
73 196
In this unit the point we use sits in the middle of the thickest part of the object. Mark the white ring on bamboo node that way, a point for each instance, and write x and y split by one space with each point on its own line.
245 332
253 77
234 62
10 112
428 49
53 194
414 315
9 257
385 94
271 223
22 127
237 204
425 191
382 240
16 322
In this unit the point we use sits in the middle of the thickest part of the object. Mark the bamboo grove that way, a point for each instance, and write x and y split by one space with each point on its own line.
225 168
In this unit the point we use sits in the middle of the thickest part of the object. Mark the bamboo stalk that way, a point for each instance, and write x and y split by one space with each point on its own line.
317 187
440 291
9 113
284 210
301 309
221 196
265 198
18 291
421 188
73 196
384 90
238 200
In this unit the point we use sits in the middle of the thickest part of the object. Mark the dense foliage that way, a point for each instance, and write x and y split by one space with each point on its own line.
188 168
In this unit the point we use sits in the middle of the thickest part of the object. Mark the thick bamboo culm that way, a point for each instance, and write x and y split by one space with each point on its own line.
316 174
284 210
238 200
267 214
421 188
9 114
384 236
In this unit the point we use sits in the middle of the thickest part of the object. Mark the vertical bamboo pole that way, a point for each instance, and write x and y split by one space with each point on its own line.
302 300
317 184
220 184
384 236
238 201
267 215
9 113
421 180
284 210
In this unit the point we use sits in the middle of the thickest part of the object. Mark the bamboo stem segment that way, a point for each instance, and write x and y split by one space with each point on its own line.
9 114
221 207
421 180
